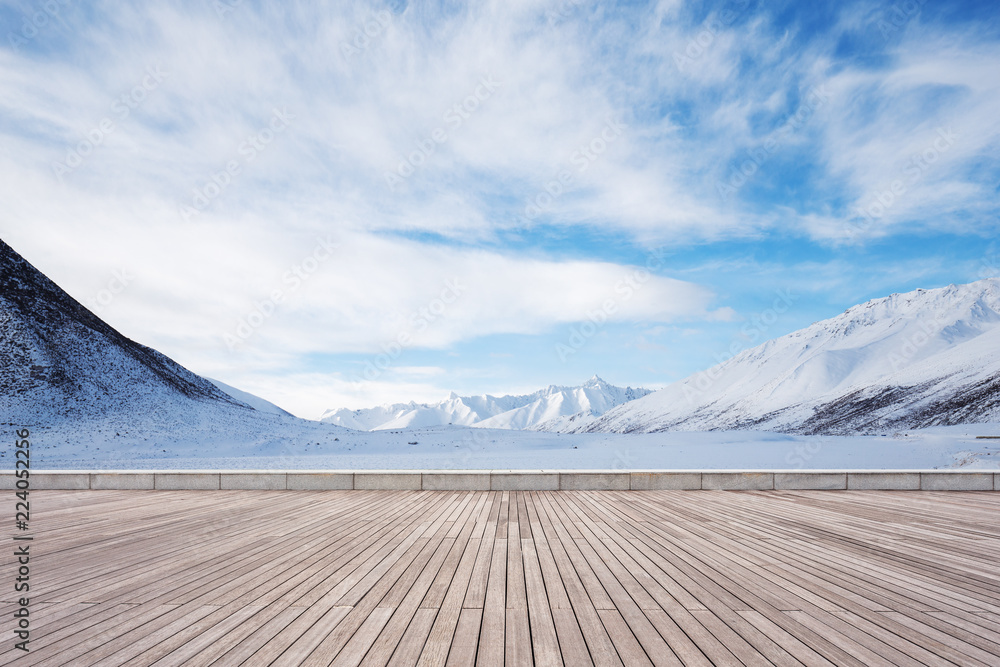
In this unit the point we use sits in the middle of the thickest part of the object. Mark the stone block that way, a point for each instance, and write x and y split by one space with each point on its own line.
738 481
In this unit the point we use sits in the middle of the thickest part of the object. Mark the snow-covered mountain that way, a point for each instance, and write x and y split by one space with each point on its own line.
924 358
73 379
254 401
550 406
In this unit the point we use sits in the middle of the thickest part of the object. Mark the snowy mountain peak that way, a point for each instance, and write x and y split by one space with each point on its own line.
530 411
922 358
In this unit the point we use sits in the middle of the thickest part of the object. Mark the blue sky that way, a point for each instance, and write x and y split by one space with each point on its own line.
358 203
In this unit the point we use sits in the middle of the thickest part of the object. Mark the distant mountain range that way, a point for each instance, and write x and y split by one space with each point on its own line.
546 409
906 361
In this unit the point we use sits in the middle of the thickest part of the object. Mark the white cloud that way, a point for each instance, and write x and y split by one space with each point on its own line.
552 86
309 395
369 290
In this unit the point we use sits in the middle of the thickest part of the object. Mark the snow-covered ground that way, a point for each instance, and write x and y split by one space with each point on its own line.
463 448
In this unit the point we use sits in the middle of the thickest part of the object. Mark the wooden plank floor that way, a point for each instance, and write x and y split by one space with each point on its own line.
510 578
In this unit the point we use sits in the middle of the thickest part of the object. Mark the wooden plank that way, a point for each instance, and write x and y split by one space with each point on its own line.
297 640
367 596
412 643
476 591
488 577
465 646
543 637
572 645
361 641
439 641
232 648
492 634
517 640
403 612
601 648
629 650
